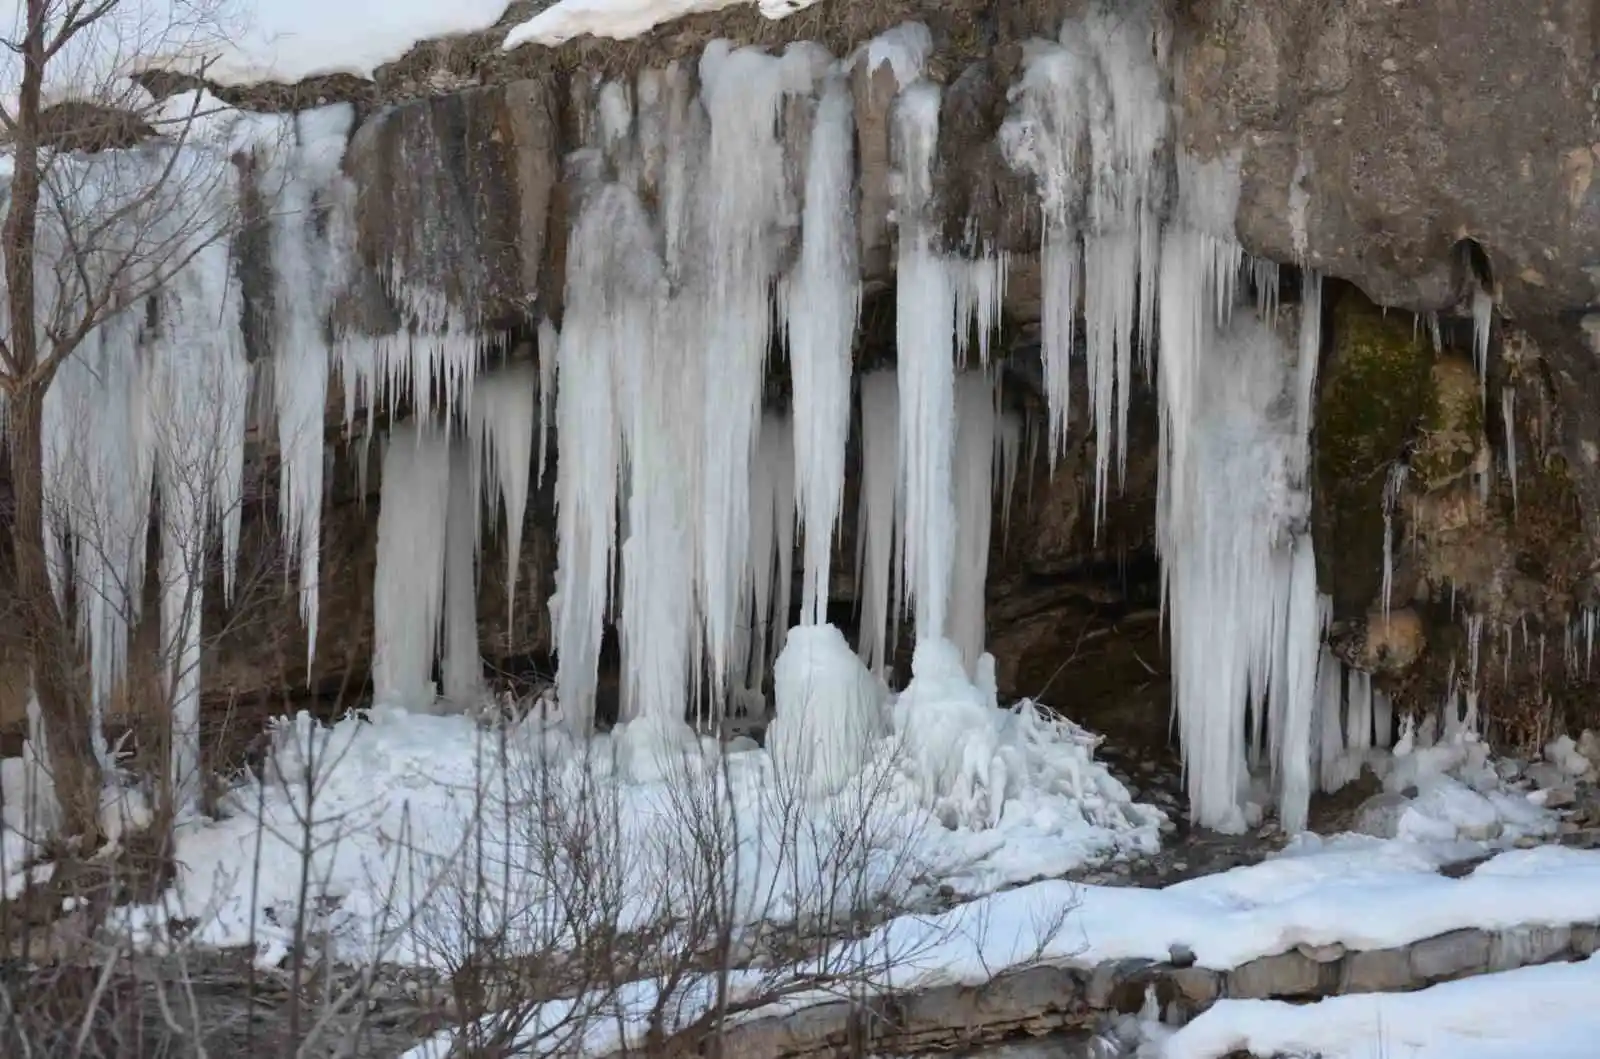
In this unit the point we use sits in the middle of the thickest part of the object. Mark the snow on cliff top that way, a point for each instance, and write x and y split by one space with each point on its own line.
623 19
244 41
248 41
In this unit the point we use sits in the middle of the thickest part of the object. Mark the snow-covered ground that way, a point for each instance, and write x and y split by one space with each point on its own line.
380 816
407 835
1364 894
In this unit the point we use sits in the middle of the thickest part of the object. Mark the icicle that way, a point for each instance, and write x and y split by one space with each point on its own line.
1330 708
976 427
549 357
1393 488
772 503
1008 455
1382 720
1128 118
980 293
1306 619
308 268
1043 135
904 49
461 665
657 381
925 344
1482 320
97 465
502 417
1232 511
1508 416
198 391
408 590
822 306
613 280
1264 278
1358 724
744 187
1237 513
878 512
1310 350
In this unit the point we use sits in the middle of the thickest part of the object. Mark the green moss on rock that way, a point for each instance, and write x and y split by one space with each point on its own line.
1451 431
1375 389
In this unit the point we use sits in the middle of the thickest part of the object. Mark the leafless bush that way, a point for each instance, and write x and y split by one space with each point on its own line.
576 924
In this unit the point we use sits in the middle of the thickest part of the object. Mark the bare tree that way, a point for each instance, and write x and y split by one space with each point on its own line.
92 238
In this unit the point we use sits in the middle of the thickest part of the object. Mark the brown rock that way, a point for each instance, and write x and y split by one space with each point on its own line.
874 90
1394 641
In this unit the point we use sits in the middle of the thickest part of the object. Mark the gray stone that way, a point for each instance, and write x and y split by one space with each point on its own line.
1330 953
1288 974
1376 971
1589 747
1508 768
1558 797
1379 816
1460 952
1180 955
1585 940
1522 946
1545 776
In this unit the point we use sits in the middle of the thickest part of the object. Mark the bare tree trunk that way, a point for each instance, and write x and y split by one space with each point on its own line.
52 650
51 646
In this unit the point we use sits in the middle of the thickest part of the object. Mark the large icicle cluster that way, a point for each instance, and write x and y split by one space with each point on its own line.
668 327
1090 122
151 404
301 174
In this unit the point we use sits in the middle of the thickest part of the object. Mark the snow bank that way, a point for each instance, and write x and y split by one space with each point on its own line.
1547 1011
400 806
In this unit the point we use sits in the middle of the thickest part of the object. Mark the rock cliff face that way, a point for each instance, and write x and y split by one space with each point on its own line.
1433 160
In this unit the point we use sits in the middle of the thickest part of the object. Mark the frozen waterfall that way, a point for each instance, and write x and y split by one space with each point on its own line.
715 231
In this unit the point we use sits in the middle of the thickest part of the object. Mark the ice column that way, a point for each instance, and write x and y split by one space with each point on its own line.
878 514
461 665
408 593
976 425
302 177
925 341
502 421
822 304
744 188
